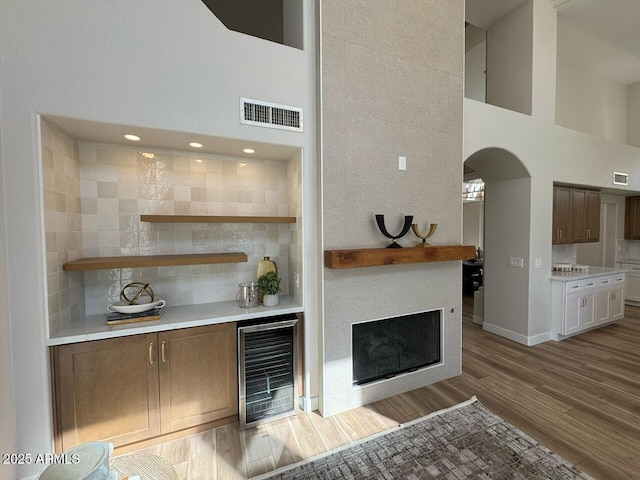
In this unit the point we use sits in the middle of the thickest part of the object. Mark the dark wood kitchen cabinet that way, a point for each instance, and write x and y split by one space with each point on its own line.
632 218
128 389
576 215
561 214
585 215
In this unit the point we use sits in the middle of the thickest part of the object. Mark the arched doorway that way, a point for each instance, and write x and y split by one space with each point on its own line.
507 227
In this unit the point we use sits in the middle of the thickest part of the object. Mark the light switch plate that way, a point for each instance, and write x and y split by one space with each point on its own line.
402 163
516 262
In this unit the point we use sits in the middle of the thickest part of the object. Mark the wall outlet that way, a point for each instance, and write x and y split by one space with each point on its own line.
516 262
402 163
538 263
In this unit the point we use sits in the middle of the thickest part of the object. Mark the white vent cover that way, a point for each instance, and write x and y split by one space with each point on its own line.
271 115
620 178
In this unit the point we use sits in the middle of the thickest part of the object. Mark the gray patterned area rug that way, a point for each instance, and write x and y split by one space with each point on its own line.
466 441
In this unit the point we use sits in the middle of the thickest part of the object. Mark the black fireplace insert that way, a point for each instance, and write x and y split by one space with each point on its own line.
388 347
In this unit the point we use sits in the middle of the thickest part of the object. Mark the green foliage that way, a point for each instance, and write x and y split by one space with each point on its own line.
269 283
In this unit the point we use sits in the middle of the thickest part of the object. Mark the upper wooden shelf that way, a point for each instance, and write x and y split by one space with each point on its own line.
370 257
214 219
104 263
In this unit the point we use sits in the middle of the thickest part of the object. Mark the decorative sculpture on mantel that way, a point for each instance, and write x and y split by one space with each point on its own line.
405 228
432 230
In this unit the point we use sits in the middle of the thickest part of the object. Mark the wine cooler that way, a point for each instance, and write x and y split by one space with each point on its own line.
268 370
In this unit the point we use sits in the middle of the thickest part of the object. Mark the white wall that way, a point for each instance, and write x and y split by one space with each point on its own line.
507 234
152 63
473 224
509 60
590 102
383 66
475 63
550 153
7 415
633 114
543 63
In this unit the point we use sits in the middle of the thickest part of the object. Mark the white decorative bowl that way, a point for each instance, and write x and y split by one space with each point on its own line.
116 307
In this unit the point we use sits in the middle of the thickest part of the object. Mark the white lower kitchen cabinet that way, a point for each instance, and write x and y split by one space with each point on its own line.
632 285
582 301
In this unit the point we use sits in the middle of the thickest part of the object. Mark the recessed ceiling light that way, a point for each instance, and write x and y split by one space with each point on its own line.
249 150
132 137
196 145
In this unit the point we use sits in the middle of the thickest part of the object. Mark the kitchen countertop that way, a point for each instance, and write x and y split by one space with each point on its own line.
94 327
630 260
593 272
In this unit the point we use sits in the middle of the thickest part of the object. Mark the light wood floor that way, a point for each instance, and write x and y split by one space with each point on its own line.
579 397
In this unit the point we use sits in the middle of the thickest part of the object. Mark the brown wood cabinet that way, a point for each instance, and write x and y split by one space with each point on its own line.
561 214
576 215
128 389
198 376
632 218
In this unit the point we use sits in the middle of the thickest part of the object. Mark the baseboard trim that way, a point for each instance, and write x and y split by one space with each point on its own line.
309 404
517 337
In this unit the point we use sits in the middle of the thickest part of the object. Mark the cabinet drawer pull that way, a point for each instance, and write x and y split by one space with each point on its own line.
604 282
573 287
162 356
590 284
151 353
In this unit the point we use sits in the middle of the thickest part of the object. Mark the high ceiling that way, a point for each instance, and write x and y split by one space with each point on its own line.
602 34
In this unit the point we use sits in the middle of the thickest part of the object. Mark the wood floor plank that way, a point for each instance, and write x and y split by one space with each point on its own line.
306 436
230 463
330 433
284 449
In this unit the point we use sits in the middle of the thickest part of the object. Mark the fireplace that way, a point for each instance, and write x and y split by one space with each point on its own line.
388 347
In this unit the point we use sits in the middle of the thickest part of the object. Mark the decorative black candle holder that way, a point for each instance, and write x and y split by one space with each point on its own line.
383 229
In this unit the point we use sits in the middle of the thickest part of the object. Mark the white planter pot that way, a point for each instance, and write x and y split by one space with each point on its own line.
270 300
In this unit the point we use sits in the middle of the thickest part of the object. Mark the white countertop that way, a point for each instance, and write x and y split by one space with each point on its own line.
593 272
94 327
630 260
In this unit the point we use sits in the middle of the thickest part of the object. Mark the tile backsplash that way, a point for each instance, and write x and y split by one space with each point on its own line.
95 193
62 224
119 183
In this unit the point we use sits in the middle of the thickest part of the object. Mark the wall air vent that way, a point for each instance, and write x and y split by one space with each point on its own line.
270 115
620 178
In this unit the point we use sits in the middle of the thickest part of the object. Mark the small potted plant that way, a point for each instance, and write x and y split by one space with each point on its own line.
269 284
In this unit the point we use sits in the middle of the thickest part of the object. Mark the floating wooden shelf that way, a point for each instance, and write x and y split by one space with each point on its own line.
213 219
370 257
103 263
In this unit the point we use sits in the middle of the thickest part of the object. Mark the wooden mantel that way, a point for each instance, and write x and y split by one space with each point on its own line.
370 257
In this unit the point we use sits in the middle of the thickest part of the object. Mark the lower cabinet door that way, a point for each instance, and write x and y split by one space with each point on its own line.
198 375
603 304
107 390
632 287
573 305
587 311
616 303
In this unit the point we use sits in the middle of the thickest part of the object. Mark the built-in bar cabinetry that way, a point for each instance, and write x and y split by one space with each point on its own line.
576 215
133 388
582 302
